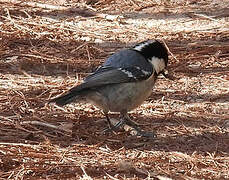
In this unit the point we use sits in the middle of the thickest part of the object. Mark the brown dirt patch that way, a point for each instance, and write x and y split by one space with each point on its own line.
46 47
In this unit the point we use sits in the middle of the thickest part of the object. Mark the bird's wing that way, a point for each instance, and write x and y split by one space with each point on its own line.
110 75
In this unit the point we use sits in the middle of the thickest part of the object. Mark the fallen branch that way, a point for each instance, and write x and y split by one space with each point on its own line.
60 128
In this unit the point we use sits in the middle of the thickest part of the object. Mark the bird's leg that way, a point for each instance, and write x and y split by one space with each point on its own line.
111 127
108 121
125 119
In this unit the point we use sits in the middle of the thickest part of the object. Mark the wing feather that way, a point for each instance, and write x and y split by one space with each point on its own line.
109 75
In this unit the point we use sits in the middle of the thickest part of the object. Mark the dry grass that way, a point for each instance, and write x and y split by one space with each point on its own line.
49 46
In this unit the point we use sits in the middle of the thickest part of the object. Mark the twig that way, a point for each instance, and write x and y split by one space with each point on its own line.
34 4
169 50
46 125
85 176
19 144
110 176
6 118
205 17
88 54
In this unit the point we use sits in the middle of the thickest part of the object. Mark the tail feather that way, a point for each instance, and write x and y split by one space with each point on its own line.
64 99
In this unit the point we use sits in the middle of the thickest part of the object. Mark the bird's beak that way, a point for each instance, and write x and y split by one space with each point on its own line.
166 74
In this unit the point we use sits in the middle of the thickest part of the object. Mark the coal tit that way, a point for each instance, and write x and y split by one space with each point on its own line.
123 82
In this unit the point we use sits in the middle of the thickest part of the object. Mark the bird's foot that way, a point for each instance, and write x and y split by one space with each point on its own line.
145 134
119 125
111 129
125 121
133 129
128 126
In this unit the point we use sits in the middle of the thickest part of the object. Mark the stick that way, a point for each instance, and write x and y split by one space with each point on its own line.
46 125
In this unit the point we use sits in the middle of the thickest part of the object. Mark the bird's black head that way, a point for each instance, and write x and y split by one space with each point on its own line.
155 52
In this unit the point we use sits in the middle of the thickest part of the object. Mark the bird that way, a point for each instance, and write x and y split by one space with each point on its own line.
123 82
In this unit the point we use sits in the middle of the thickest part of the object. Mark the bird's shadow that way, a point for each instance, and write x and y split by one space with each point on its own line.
89 131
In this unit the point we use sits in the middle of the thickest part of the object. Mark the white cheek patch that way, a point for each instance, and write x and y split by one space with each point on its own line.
140 46
158 64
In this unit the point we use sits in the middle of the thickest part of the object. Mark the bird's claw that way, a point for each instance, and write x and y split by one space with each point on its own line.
136 130
111 129
146 134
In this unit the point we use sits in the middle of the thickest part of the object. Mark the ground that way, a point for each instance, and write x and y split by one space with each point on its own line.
47 47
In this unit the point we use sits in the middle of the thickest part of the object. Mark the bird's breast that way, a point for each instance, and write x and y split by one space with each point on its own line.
123 97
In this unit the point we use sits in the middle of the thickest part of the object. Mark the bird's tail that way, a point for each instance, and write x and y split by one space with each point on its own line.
65 99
